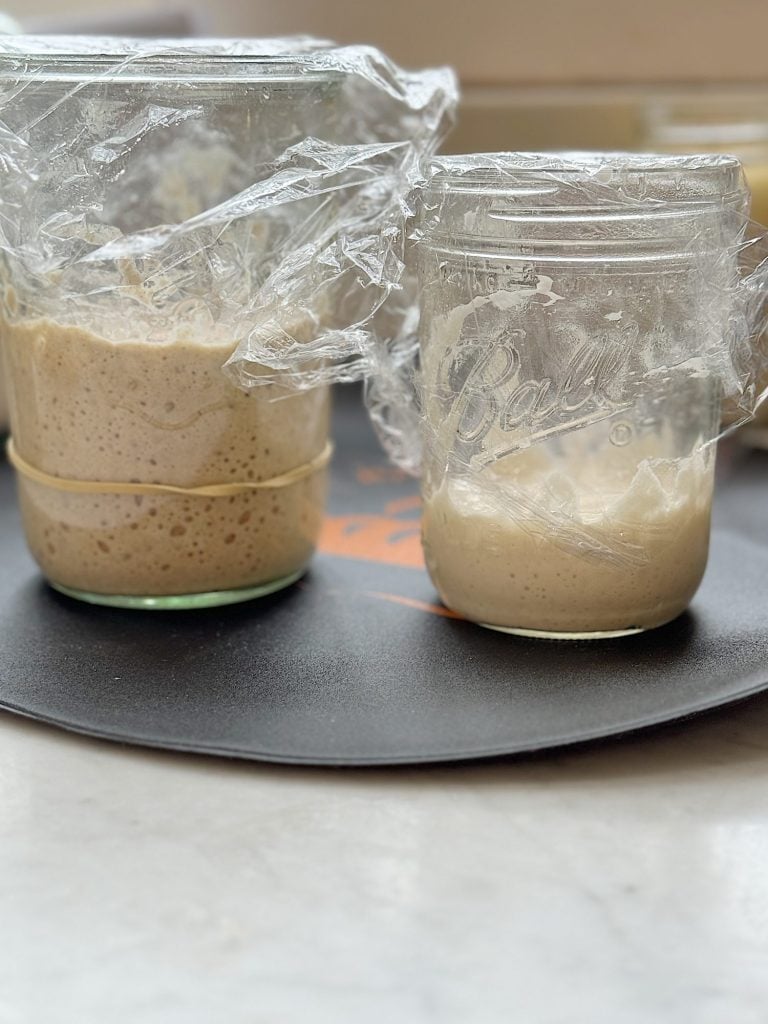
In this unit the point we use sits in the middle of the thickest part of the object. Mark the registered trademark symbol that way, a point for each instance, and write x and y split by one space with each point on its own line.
621 434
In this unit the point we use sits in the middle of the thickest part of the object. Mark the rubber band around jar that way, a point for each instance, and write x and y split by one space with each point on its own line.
59 483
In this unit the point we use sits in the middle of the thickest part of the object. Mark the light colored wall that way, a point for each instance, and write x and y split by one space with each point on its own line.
61 8
502 41
499 41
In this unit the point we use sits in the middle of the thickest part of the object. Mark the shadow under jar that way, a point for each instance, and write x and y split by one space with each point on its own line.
573 323
146 478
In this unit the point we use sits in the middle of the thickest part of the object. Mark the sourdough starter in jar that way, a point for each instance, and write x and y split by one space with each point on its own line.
159 413
624 552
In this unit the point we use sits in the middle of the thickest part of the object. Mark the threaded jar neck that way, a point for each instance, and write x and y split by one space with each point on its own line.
584 208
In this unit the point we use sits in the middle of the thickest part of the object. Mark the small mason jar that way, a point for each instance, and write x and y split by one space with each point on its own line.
573 317
146 478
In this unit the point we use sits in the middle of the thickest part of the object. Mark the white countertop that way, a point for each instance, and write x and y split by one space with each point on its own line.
620 883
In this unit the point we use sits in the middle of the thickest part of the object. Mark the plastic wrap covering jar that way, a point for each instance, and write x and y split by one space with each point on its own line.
146 477
572 322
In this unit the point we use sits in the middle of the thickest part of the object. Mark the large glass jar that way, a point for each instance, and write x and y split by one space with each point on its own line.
146 478
573 315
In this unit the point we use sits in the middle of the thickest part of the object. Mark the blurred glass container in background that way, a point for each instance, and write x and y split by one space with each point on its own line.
722 121
716 120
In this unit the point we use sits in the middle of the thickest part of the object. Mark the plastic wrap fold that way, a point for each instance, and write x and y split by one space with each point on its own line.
248 190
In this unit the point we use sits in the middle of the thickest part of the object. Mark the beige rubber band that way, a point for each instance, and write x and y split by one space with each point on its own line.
209 491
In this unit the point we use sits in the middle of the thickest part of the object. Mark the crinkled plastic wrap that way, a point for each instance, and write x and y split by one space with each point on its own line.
649 263
247 189
589 325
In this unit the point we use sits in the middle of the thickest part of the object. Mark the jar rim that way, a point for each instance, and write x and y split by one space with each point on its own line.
593 205
292 62
507 172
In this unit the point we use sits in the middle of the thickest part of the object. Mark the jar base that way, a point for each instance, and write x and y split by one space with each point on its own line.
179 602
551 634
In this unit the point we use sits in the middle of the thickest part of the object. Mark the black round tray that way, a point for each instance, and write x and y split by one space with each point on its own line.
357 664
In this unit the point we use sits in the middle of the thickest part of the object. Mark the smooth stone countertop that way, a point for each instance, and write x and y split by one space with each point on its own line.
620 883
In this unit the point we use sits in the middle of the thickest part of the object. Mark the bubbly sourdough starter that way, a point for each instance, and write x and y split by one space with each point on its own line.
519 565
86 408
